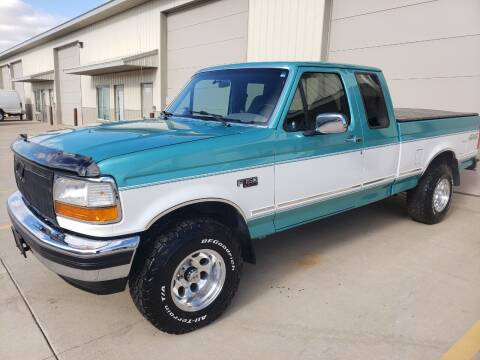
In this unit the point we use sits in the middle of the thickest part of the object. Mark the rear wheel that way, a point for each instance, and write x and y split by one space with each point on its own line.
430 201
189 277
2 115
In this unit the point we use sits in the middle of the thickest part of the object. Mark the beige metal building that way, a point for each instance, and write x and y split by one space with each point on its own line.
127 58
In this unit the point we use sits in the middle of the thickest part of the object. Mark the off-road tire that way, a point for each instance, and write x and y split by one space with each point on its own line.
2 115
420 199
150 283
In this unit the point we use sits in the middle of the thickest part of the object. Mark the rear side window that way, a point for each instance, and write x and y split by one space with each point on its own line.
373 100
317 93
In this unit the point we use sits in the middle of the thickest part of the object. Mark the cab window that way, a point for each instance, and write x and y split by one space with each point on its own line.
316 93
373 100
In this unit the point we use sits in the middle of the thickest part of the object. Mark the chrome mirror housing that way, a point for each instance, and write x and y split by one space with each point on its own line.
330 123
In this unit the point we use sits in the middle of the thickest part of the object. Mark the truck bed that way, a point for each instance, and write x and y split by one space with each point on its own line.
411 114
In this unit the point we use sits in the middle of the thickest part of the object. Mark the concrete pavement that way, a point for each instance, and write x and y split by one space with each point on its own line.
366 284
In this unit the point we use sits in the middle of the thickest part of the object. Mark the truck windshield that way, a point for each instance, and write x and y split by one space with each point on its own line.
246 96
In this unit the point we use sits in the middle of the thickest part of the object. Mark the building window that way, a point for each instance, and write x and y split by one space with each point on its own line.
103 102
147 99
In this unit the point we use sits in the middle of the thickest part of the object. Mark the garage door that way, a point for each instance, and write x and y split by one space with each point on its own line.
6 81
429 50
209 34
70 95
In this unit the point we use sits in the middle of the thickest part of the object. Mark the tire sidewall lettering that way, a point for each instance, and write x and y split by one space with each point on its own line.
223 247
167 304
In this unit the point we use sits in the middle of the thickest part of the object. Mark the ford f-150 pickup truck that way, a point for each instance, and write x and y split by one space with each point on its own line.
171 205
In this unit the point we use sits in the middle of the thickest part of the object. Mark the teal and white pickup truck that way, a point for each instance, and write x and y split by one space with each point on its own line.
171 205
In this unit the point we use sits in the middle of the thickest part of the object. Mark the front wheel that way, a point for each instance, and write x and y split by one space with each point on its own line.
2 115
430 201
189 277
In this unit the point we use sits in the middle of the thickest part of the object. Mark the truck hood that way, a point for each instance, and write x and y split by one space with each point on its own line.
109 140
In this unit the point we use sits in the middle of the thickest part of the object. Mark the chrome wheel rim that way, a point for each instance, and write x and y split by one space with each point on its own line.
198 280
441 195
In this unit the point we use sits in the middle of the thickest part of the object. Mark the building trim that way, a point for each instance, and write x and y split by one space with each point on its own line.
327 24
44 76
146 60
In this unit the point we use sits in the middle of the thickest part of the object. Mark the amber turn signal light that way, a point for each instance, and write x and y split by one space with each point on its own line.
100 214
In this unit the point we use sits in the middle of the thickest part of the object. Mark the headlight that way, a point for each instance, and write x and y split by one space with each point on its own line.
86 200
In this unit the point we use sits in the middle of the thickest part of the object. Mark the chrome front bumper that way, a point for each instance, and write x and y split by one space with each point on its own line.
94 265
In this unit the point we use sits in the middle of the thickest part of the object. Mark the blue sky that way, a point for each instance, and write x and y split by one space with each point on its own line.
63 8
22 19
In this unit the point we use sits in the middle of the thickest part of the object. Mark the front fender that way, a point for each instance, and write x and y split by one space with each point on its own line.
143 205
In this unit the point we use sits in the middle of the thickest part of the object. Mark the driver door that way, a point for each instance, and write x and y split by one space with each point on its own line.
316 175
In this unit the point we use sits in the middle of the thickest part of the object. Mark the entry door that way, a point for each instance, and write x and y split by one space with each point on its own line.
320 174
43 105
119 103
51 101
147 99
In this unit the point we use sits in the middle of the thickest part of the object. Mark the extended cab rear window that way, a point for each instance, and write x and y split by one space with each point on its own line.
373 100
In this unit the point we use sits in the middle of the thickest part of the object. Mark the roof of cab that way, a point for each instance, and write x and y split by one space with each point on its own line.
289 65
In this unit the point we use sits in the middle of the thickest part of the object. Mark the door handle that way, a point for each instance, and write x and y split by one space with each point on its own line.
354 139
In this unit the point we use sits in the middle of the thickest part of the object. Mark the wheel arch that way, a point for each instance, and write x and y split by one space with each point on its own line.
221 210
446 156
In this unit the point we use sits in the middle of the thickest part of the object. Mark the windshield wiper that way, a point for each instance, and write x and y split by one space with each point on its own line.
216 117
165 114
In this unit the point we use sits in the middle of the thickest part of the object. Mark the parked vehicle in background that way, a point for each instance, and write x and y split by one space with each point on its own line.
10 104
171 205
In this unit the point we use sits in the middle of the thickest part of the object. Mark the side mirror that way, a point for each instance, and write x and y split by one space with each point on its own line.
330 123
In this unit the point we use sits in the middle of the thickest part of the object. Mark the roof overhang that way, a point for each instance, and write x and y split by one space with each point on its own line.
104 11
45 76
146 60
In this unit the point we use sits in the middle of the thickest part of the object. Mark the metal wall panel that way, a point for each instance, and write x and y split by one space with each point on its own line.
131 32
429 50
350 8
131 82
285 29
17 71
6 79
209 34
422 22
69 92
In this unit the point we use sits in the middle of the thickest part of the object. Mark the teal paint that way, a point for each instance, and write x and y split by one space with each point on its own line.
291 146
268 225
466 163
373 136
261 227
418 130
405 184
147 152
374 194
252 148
128 137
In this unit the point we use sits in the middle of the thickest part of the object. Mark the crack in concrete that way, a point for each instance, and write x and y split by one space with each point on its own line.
30 309
120 331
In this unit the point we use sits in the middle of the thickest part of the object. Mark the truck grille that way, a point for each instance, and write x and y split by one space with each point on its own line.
35 183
